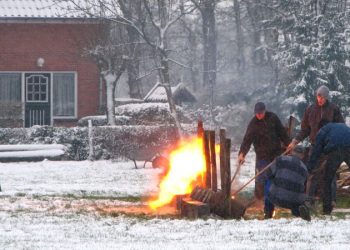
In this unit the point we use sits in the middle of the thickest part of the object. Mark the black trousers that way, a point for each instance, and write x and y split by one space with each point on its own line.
335 158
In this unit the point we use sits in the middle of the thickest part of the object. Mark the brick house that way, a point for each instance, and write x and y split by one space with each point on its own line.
44 79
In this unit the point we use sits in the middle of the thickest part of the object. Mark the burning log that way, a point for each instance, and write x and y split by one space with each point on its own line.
217 202
194 209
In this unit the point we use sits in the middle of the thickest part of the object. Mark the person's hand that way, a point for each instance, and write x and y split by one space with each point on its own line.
292 145
241 159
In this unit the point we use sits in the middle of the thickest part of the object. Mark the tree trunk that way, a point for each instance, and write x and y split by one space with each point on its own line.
164 61
192 39
239 36
133 39
253 14
209 42
110 80
166 83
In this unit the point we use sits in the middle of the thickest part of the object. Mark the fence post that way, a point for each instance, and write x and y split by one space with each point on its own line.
91 146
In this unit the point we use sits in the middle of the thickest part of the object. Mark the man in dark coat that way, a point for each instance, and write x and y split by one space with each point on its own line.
332 140
288 175
266 132
323 109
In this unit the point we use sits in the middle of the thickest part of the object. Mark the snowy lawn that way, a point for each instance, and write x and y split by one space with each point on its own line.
79 205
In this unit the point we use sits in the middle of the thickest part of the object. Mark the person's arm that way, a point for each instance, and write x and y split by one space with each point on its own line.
282 132
305 126
338 116
318 148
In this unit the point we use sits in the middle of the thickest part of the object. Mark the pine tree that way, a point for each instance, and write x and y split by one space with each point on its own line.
312 53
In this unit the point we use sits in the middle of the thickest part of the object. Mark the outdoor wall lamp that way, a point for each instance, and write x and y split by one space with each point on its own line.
40 62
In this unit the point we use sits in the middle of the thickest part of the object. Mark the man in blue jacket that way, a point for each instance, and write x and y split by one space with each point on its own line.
332 140
288 175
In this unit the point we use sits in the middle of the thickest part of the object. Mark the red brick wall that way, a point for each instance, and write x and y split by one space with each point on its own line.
61 47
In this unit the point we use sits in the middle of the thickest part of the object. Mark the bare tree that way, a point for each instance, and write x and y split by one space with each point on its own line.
133 11
162 14
111 52
207 10
153 28
239 36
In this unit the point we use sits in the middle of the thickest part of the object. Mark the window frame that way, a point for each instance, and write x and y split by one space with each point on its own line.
34 92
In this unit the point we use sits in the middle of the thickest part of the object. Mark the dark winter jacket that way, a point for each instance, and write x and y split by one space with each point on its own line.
329 138
312 117
288 175
266 135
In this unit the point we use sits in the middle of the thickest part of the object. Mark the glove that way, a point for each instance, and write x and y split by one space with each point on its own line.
241 159
292 145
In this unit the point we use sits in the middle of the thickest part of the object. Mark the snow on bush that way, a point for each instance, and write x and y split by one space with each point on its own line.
150 113
139 114
76 139
138 142
101 120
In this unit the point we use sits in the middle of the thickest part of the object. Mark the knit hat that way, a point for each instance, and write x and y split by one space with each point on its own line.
259 108
323 91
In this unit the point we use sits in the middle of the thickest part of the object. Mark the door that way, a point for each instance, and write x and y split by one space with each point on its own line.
37 97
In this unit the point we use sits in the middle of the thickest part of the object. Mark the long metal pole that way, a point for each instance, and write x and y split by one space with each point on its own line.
258 174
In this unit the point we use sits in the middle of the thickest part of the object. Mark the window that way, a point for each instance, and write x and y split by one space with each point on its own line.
37 88
10 87
64 95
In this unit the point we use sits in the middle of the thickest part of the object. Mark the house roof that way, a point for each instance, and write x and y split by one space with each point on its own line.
39 9
158 94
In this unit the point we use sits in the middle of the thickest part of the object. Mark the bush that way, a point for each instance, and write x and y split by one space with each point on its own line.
76 139
101 120
139 114
132 142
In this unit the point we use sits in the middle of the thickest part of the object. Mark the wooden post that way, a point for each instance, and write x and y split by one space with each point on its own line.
214 177
91 145
222 158
225 172
201 180
228 178
200 129
292 121
207 159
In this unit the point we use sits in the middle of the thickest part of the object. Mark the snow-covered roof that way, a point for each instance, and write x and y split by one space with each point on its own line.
38 9
158 94
126 100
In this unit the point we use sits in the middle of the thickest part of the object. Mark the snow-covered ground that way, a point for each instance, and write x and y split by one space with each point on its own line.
64 205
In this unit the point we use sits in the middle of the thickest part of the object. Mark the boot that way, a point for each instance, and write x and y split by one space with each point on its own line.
304 212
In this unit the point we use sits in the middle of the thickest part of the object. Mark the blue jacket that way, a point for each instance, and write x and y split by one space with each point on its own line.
331 137
288 175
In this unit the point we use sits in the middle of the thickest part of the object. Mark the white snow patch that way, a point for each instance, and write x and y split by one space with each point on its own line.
37 211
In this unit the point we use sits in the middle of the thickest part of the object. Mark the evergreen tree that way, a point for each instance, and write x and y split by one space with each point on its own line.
312 53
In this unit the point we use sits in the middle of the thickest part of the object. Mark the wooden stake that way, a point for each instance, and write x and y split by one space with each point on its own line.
227 190
200 129
222 158
214 177
207 159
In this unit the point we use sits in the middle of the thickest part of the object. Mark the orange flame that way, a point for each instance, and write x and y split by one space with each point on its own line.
217 148
187 166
